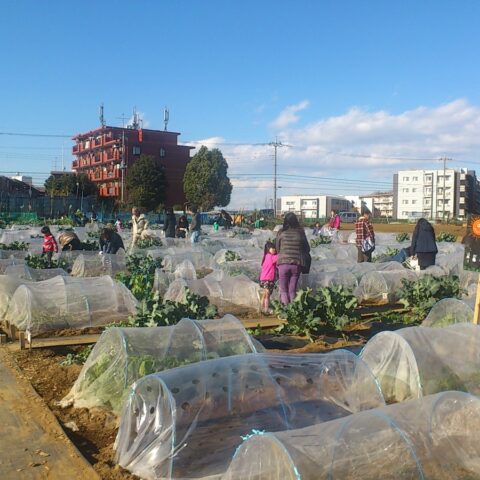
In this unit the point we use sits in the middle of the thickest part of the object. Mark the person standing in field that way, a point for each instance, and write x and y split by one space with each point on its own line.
424 246
139 226
268 274
195 225
334 222
182 227
170 223
293 256
49 245
365 237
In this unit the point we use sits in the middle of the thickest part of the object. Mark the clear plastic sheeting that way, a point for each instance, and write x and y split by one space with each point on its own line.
8 285
220 288
447 312
66 302
433 438
185 270
8 262
416 361
199 259
187 422
93 264
33 274
329 279
123 355
382 286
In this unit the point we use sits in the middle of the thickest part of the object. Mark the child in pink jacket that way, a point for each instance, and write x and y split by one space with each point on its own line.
268 274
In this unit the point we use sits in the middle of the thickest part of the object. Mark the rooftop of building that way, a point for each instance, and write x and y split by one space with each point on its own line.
92 133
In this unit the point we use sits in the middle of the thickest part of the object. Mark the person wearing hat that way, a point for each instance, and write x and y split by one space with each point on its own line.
69 241
365 237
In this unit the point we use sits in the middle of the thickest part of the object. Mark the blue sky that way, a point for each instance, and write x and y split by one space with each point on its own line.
351 85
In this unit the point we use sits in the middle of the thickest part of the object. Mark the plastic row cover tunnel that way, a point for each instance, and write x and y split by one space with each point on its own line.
434 438
123 355
66 302
188 421
416 361
94 265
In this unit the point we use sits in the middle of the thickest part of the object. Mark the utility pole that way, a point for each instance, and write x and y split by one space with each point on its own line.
275 146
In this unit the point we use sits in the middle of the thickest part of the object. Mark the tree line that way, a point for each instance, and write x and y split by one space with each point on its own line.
205 183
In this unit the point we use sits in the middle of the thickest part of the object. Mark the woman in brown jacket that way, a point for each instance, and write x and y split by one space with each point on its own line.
293 256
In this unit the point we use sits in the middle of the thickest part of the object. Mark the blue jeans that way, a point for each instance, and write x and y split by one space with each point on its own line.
195 236
288 276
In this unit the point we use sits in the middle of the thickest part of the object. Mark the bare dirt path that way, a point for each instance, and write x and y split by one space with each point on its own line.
33 446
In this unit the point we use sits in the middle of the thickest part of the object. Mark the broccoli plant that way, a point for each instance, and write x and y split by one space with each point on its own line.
310 312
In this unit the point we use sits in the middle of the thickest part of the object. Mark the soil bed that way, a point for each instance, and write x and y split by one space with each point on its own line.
97 428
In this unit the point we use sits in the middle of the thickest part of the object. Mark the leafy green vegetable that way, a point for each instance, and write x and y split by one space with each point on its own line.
446 237
78 358
141 275
90 245
320 240
311 313
153 312
231 256
37 261
402 237
421 294
148 243
14 246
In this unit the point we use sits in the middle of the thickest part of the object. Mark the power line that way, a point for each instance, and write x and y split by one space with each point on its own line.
43 135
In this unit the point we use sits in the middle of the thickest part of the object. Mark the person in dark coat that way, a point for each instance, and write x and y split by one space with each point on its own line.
227 219
170 223
110 241
182 227
424 246
69 241
293 256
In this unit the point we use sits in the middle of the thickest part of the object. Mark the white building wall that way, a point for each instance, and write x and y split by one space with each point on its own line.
420 193
314 206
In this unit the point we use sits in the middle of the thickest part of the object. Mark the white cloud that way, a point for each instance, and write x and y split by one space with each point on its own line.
358 145
289 116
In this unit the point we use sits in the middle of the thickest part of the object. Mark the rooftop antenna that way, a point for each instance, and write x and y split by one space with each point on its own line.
135 123
122 118
102 117
166 117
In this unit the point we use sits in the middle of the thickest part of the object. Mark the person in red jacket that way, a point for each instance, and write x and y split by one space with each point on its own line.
49 245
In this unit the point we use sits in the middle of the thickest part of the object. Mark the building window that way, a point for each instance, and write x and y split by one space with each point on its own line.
415 179
290 203
405 202
414 190
136 150
405 190
406 179
414 202
162 152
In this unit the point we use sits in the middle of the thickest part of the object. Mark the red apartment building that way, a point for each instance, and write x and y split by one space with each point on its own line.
99 154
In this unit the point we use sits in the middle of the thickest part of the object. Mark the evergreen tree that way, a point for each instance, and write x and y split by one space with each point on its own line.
206 183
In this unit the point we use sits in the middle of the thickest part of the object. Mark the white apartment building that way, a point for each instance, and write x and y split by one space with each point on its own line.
433 194
379 203
312 206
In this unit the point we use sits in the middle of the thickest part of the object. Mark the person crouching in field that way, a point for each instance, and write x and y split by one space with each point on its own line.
49 245
268 274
